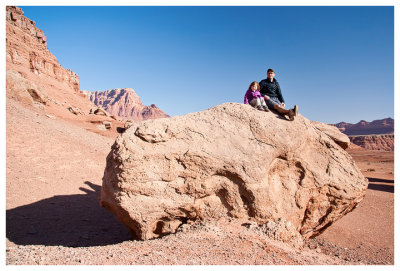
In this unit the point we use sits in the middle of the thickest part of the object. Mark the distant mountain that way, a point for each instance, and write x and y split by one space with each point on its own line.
374 135
124 103
383 126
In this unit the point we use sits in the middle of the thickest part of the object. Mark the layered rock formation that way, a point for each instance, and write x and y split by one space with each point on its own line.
374 135
27 53
383 126
124 103
374 142
229 160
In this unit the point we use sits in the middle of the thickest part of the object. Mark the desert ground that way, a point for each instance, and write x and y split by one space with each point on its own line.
367 233
54 173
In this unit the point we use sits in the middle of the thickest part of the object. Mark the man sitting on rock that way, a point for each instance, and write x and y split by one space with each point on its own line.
271 91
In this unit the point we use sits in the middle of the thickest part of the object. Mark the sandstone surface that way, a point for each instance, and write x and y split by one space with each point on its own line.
333 132
229 160
124 103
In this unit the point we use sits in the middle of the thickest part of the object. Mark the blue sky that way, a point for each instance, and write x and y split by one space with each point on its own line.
336 63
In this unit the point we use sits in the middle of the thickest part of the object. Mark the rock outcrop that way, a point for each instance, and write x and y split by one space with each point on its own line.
124 103
383 126
27 54
18 88
374 142
27 50
229 160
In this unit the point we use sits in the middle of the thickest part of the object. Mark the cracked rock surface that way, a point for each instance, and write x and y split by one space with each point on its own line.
229 161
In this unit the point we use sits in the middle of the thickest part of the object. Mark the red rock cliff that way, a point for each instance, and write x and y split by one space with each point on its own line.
27 50
28 55
374 142
124 103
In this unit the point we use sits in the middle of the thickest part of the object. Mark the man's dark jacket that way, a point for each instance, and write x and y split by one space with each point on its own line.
272 89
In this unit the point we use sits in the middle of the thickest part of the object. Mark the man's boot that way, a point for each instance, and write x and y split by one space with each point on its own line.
291 114
295 110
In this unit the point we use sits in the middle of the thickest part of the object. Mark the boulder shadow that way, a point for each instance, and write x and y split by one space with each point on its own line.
67 220
388 187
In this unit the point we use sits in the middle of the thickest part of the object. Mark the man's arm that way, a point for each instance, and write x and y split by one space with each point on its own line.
280 97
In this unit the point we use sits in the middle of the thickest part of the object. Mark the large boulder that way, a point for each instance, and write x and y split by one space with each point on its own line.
229 160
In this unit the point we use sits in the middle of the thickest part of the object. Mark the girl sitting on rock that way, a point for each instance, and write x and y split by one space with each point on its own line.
254 97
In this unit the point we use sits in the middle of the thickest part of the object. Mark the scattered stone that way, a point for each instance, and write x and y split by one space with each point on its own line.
74 110
128 124
101 112
101 127
51 116
107 125
91 111
284 231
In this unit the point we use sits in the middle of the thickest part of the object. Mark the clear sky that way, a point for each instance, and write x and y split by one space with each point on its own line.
336 63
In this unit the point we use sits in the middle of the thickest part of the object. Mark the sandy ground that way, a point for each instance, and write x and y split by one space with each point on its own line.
367 233
54 171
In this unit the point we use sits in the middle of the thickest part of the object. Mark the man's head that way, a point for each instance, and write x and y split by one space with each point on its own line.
270 73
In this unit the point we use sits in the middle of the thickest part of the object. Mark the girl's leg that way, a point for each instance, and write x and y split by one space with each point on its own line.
264 105
256 103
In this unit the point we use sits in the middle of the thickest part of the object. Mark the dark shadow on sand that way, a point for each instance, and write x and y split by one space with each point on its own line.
375 180
389 187
69 220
